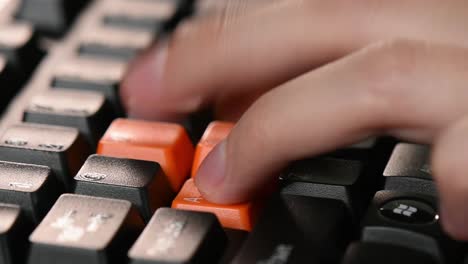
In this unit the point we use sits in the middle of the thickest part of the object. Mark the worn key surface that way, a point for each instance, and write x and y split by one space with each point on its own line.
60 148
83 229
179 236
409 169
143 183
32 187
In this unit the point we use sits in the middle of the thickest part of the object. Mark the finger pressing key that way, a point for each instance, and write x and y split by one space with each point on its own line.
214 133
167 144
236 216
83 229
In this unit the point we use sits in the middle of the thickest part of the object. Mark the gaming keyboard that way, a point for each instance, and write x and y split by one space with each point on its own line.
81 183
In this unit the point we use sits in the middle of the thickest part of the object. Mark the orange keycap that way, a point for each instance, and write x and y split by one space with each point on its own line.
214 133
236 216
165 143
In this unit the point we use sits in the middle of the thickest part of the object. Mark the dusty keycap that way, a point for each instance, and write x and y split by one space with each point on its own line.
83 229
60 148
143 183
32 187
179 236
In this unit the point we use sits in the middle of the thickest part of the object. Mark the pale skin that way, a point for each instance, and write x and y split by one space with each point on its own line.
304 77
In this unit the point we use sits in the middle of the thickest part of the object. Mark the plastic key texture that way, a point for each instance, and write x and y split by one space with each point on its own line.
60 148
85 110
83 229
179 236
165 143
32 187
141 182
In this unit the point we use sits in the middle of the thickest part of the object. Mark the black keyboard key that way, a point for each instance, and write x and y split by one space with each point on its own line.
330 178
371 253
83 229
300 229
85 110
14 233
32 187
148 16
394 212
409 170
19 46
141 182
60 148
115 44
92 75
9 81
235 238
50 16
179 236
403 238
360 151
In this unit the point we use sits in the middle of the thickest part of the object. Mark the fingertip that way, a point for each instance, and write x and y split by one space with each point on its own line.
211 173
142 84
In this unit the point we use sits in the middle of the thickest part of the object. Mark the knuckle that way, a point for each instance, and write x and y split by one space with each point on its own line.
388 66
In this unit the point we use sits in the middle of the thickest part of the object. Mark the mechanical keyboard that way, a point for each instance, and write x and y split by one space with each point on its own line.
82 183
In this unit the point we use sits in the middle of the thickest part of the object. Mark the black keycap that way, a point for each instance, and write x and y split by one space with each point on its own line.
409 170
235 240
14 233
178 236
50 16
18 44
116 44
83 229
148 16
298 229
60 148
85 110
32 187
141 182
360 151
9 81
396 217
330 178
371 253
92 75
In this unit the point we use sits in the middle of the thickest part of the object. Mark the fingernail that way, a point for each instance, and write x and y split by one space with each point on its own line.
212 171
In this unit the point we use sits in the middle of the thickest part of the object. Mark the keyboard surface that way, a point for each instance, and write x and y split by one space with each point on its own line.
82 183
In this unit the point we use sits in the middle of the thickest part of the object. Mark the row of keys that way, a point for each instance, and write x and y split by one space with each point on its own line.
391 217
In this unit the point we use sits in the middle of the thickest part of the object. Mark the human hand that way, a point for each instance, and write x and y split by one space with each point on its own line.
398 68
